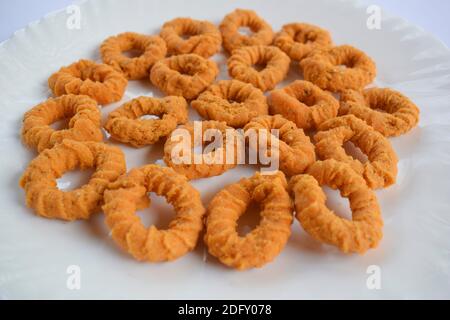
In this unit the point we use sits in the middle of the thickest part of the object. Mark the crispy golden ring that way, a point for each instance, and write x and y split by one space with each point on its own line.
98 81
262 33
231 101
297 40
363 232
241 62
125 126
151 49
84 123
305 104
186 138
129 193
39 179
185 75
381 169
204 37
339 68
399 114
296 152
263 243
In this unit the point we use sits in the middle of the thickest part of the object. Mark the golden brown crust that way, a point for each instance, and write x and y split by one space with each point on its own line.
240 66
125 126
399 114
380 171
84 124
296 152
39 179
231 101
185 75
303 103
152 49
232 39
363 232
204 37
263 243
339 68
98 81
127 195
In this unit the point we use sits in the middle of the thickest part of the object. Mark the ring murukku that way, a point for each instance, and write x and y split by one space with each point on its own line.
179 149
276 66
303 103
125 126
185 75
204 37
297 40
231 101
84 123
39 179
263 243
129 193
358 235
98 81
150 49
380 171
339 68
296 152
262 33
398 113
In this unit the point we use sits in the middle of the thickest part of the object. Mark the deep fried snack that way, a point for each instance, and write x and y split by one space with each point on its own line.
276 62
129 193
98 81
231 101
204 37
263 243
380 171
339 68
297 40
303 103
185 75
399 114
363 232
262 33
151 49
125 126
84 123
296 152
39 179
179 149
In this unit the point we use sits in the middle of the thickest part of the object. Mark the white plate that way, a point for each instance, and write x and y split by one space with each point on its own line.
414 256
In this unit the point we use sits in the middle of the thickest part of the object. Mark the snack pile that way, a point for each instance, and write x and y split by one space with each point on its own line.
332 103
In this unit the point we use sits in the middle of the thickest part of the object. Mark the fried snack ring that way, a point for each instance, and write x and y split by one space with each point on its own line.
263 243
39 179
84 124
296 152
185 75
129 193
324 68
399 116
304 103
205 38
363 232
125 126
98 81
205 169
297 40
240 66
232 39
381 169
231 101
152 49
